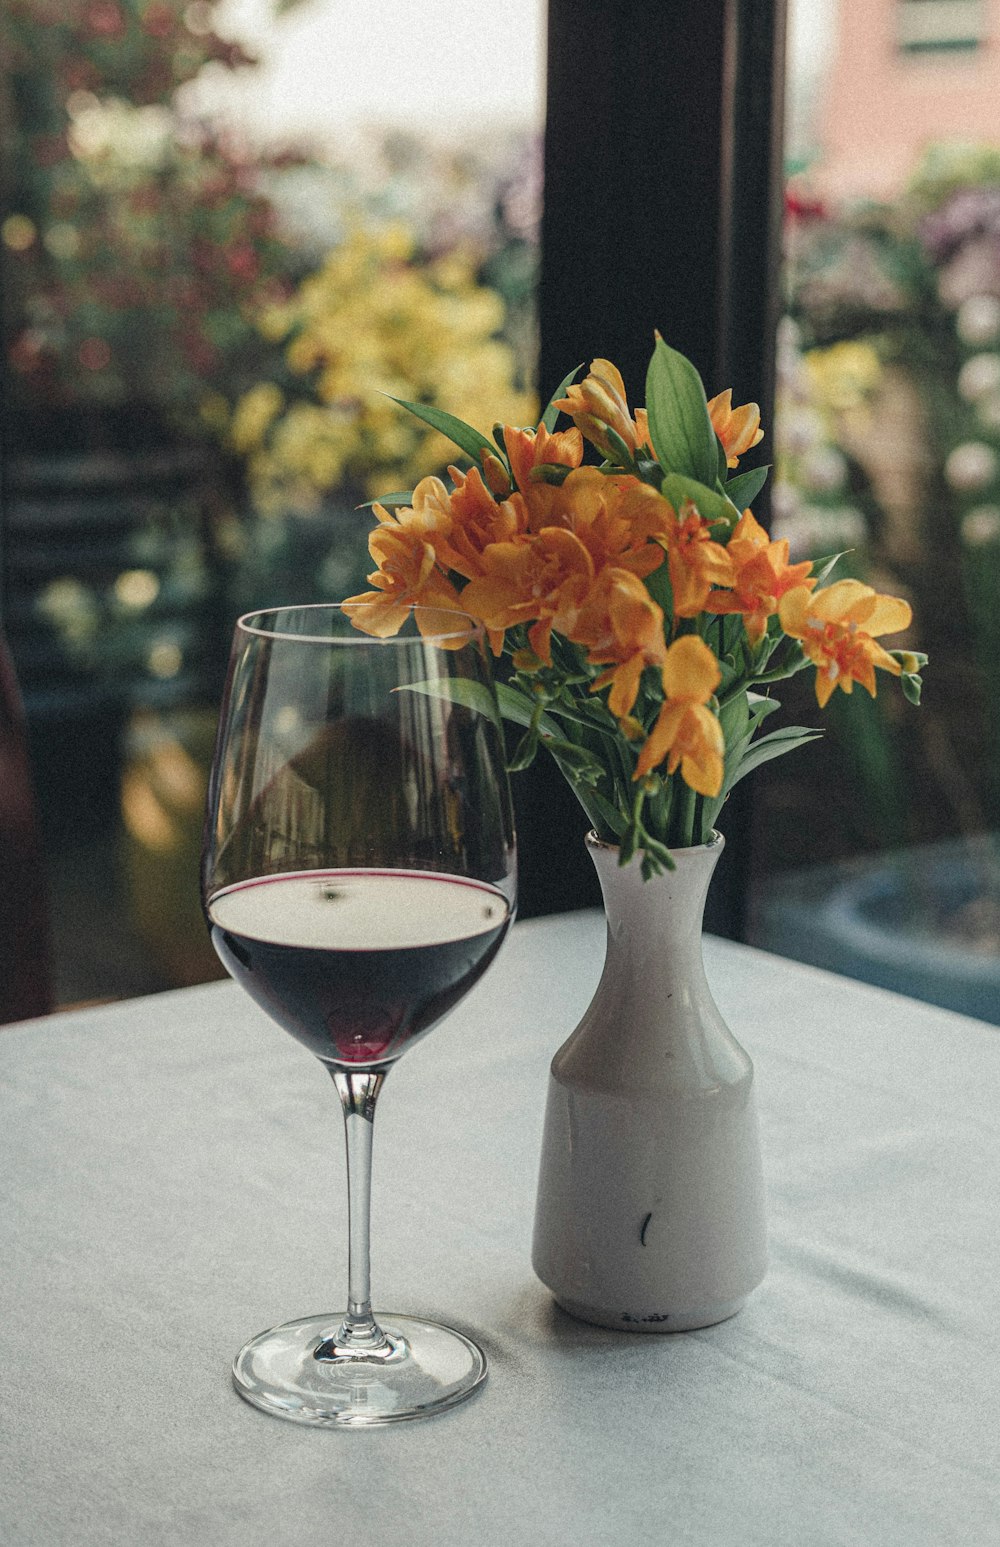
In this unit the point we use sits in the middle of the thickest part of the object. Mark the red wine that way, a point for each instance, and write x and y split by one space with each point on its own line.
358 963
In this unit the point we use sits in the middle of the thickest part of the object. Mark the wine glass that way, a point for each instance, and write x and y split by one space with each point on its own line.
358 878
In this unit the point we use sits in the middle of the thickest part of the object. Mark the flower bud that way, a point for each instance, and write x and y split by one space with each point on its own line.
495 476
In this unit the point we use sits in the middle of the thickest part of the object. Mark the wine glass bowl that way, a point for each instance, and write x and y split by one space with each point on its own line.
358 878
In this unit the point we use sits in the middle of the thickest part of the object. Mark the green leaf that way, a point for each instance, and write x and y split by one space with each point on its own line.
511 704
734 717
747 755
597 806
552 413
761 706
606 820
464 436
744 489
575 761
629 844
550 472
622 453
822 567
772 746
911 684
521 711
659 587
649 471
711 504
679 425
733 634
465 691
591 713
524 753
389 500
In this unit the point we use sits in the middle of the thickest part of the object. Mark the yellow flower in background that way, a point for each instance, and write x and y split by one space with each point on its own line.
838 628
368 325
844 375
737 428
686 731
254 414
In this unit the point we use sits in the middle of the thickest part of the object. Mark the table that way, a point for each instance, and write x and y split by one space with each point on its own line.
173 1181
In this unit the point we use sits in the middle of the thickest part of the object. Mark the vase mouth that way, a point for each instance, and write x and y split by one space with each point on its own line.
714 845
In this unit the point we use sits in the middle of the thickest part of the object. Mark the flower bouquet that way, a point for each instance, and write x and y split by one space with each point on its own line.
646 613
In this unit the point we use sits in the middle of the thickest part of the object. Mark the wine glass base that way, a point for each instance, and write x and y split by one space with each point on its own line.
427 1369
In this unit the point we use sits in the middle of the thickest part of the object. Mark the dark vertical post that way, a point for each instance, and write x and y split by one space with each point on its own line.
750 302
752 206
633 158
662 209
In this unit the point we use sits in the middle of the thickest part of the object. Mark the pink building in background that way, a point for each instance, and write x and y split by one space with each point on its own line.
905 74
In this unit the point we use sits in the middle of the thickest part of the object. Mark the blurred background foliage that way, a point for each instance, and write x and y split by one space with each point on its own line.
198 333
889 446
199 329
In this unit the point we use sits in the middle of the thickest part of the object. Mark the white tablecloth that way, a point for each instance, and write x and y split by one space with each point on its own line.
173 1181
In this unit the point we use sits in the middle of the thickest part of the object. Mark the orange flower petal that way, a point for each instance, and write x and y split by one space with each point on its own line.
690 670
376 614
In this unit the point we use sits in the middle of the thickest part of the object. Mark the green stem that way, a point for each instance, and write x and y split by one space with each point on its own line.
683 812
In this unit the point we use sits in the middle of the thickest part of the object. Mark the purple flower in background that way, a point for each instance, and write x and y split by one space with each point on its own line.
970 213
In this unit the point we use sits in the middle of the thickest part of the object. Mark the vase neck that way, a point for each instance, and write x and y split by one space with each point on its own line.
657 923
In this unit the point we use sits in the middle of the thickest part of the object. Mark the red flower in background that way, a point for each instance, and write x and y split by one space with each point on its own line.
104 19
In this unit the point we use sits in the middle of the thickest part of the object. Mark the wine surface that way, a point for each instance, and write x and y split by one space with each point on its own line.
358 963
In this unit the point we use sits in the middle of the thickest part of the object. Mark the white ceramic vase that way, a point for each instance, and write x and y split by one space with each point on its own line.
650 1214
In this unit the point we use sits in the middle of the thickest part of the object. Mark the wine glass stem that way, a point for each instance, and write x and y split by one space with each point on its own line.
358 1094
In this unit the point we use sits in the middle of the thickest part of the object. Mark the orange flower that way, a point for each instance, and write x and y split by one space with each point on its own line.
620 623
599 404
737 428
542 582
696 562
528 449
614 518
686 731
407 575
475 520
429 516
837 627
762 575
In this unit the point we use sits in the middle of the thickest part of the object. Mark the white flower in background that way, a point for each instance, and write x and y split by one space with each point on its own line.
981 526
817 529
800 429
971 466
988 412
786 502
824 469
979 376
843 526
791 370
978 320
